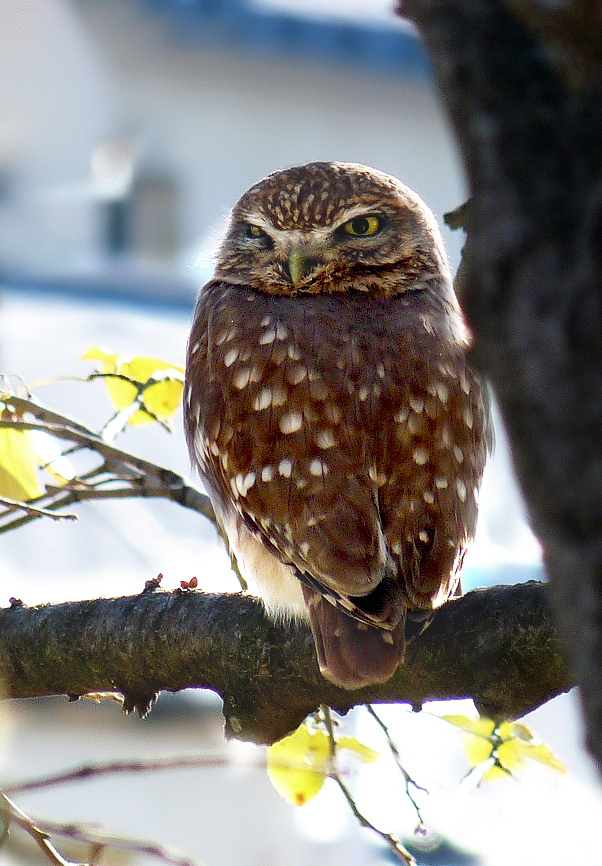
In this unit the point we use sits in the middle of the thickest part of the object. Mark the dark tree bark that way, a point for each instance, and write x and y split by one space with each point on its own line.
522 85
497 646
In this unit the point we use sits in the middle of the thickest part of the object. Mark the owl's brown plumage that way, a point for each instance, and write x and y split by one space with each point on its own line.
331 412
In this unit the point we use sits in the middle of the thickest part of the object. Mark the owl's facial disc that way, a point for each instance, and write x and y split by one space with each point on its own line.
299 258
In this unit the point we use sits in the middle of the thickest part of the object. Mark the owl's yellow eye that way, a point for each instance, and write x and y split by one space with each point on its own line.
362 226
255 231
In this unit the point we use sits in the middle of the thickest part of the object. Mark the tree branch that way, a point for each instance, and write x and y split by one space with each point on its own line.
497 646
117 475
523 93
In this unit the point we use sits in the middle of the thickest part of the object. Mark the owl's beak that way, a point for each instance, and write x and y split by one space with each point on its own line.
301 265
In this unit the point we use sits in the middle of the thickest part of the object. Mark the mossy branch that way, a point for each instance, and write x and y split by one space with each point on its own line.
496 645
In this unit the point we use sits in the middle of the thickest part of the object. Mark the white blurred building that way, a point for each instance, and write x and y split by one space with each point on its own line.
170 109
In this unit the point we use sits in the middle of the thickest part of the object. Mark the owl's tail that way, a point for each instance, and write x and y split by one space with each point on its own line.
352 654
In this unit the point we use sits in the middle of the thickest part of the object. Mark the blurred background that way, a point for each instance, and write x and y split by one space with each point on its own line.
128 128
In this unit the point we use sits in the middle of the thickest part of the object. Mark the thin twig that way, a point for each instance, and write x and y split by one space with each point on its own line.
89 771
134 475
40 836
14 504
41 831
388 838
421 828
100 841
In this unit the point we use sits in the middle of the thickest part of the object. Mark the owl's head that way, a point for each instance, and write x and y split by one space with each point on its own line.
329 227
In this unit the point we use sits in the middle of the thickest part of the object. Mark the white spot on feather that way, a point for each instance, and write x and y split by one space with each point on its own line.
290 422
285 468
230 357
325 439
318 467
420 455
267 473
416 404
267 337
244 482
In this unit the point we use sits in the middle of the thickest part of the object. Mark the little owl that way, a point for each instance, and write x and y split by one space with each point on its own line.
331 411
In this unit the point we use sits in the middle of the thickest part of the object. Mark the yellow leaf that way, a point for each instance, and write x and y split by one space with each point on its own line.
478 749
519 730
161 398
508 756
95 353
18 478
540 752
364 753
482 726
495 773
507 745
298 764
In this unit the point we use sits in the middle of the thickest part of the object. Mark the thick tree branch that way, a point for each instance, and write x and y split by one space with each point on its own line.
523 90
496 645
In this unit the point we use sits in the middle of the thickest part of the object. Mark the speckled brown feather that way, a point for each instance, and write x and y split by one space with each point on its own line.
340 432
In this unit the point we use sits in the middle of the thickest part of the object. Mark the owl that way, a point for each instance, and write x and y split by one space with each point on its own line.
331 412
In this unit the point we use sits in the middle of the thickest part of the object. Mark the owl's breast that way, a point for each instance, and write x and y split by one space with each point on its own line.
345 430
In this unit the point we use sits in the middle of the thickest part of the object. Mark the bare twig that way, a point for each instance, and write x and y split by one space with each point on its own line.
389 839
17 504
40 837
421 828
89 771
100 841
42 830
131 476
